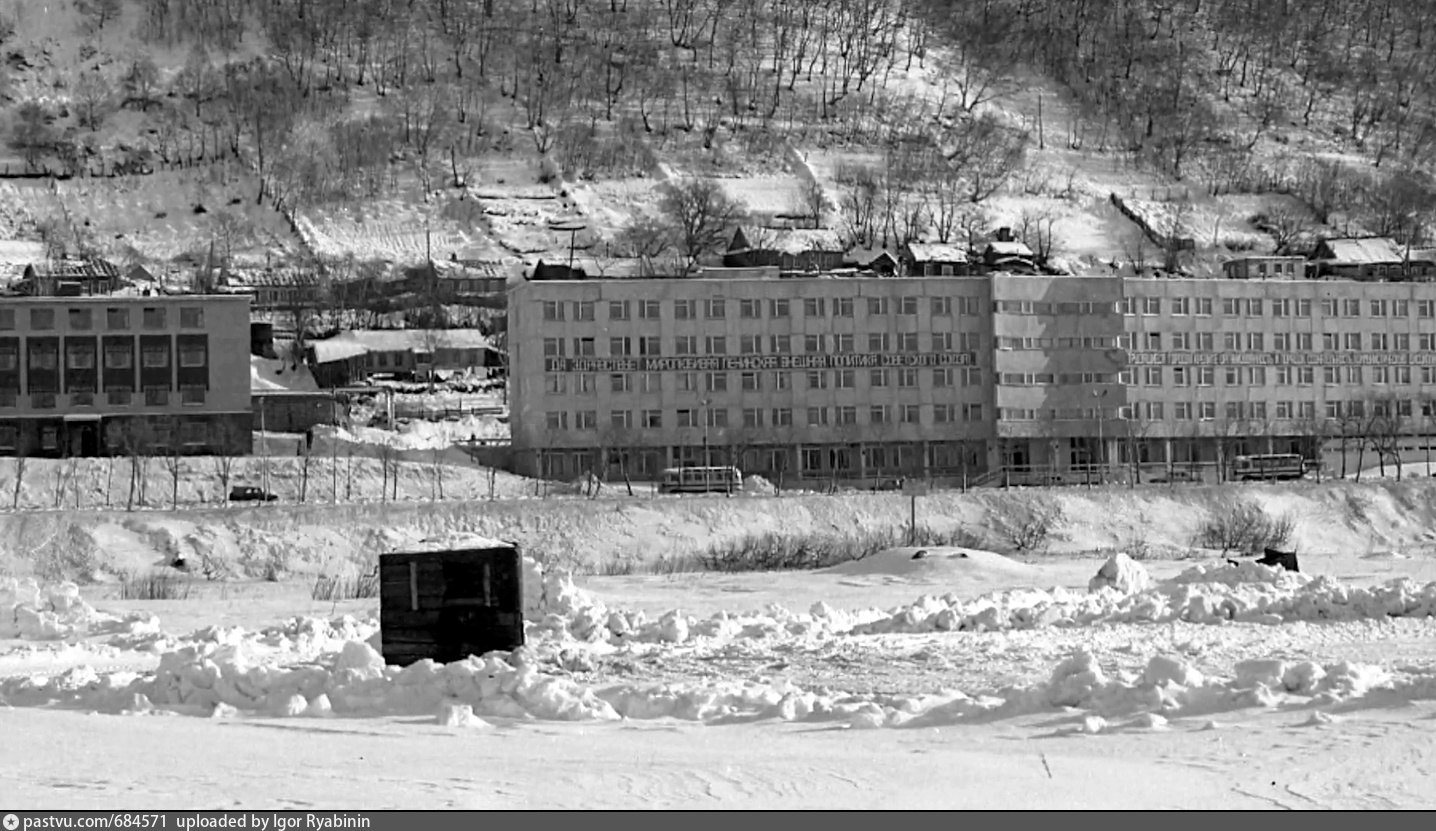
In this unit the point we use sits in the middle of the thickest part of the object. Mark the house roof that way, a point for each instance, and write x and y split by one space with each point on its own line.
1365 250
1423 255
595 267
792 240
272 278
868 256
92 269
936 252
1008 249
357 342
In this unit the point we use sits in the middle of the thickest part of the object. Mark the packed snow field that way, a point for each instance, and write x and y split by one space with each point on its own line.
935 677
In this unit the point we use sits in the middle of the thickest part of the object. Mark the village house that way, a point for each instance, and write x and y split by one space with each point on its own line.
935 259
70 278
878 261
1360 258
589 268
351 357
1009 255
275 289
1265 267
450 281
790 249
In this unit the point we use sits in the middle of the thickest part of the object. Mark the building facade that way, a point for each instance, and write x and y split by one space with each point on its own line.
863 378
85 376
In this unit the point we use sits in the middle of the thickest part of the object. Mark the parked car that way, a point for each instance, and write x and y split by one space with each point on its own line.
247 493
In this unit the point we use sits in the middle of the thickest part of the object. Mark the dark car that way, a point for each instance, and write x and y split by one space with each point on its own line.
246 493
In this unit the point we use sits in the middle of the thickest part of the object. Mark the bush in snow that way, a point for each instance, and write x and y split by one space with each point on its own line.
793 552
346 586
157 584
1243 525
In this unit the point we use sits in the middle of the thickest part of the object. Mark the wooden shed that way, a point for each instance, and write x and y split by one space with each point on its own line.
449 600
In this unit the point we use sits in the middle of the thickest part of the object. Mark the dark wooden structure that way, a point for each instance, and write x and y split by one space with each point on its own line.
449 602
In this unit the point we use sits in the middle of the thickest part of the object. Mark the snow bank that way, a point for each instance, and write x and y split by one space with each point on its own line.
58 611
909 560
1122 573
1248 592
419 435
231 680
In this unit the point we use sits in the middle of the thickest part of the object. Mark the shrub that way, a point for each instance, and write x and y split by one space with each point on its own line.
796 552
1243 525
157 584
346 586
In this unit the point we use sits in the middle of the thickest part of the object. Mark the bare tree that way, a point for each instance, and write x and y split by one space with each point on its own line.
702 216
1288 227
93 98
174 464
389 465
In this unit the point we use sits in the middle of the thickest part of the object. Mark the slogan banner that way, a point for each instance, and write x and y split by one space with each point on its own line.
1281 358
748 363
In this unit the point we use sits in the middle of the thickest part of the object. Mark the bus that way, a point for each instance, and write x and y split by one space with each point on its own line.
700 480
1268 466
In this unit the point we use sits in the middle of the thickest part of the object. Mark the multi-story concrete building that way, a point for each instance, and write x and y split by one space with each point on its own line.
84 376
858 378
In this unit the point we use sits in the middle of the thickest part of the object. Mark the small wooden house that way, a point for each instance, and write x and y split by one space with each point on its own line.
447 600
790 249
935 259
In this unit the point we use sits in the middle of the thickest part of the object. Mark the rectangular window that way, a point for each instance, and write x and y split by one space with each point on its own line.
817 417
782 417
191 317
752 417
877 377
1204 306
620 419
155 357
7 323
1151 306
583 310
716 345
586 420
846 379
715 308
42 318
1206 376
685 345
907 377
750 309
817 379
587 383
780 344
749 381
193 355
688 382
877 342
553 384
80 319
684 310
813 307
192 395
813 344
877 306
1181 306
618 310
911 414
618 382
556 421
847 415
778 308
619 347
907 306
552 348
878 414
653 419
716 382
842 307
584 348
649 310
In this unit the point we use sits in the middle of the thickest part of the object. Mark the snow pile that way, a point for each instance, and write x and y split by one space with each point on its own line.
1122 573
57 611
1248 592
230 680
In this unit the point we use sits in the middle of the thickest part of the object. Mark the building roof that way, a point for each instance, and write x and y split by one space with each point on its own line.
1010 248
936 252
272 278
1364 250
868 256
358 342
792 240
90 269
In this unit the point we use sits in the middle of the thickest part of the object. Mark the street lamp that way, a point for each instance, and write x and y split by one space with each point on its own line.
707 417
1100 395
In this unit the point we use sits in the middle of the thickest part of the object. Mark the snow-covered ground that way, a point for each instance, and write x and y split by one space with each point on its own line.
1197 686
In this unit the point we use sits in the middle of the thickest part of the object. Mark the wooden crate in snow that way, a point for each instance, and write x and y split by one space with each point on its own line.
447 601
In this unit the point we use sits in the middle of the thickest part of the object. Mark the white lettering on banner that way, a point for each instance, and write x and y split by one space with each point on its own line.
748 363
1281 358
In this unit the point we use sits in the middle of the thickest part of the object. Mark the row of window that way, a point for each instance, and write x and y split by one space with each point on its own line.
822 307
1280 307
82 356
719 418
822 344
1280 341
117 319
587 383
1282 376
189 395
1229 410
192 433
716 308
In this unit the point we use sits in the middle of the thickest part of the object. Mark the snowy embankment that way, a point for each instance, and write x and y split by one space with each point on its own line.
316 668
1365 518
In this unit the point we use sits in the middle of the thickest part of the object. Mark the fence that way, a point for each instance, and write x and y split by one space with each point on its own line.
418 412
